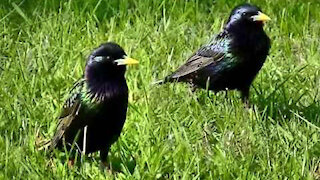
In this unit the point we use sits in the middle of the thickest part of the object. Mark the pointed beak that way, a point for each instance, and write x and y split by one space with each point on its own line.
261 17
126 61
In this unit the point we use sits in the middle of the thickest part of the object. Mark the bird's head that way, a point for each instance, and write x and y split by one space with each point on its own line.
108 61
247 15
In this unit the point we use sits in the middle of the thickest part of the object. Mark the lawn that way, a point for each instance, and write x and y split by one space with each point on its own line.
169 133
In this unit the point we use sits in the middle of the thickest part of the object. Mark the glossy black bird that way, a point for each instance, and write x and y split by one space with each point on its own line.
233 58
94 114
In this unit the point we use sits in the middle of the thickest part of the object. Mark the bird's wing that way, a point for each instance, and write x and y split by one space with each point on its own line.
69 112
202 58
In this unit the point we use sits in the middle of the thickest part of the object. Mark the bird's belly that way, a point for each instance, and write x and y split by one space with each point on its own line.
100 136
104 126
218 79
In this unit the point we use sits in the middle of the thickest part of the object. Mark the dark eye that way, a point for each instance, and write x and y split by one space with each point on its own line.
244 14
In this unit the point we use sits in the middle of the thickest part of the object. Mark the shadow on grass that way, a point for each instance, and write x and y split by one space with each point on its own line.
278 107
117 162
275 105
122 164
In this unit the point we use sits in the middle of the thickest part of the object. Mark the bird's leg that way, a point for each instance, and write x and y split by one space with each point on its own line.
193 88
245 97
71 163
104 158
226 95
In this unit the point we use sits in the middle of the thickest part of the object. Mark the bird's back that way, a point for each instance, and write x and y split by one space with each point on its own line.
226 63
207 56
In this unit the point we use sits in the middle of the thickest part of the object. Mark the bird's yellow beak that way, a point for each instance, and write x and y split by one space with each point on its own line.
126 61
261 17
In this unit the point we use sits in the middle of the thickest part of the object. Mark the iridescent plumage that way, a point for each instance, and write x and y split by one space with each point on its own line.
233 58
97 102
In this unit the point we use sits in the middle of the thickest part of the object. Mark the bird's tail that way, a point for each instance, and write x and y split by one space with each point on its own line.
164 80
159 82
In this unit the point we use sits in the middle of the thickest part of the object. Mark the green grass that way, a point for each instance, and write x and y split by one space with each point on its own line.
170 133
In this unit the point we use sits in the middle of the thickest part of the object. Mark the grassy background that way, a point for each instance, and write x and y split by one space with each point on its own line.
170 133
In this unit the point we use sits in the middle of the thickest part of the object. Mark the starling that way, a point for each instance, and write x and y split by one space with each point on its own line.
94 114
233 58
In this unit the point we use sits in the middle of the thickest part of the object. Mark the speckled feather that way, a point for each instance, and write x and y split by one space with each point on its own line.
98 101
232 59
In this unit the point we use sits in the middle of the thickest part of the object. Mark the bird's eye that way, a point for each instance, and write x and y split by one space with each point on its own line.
244 14
98 58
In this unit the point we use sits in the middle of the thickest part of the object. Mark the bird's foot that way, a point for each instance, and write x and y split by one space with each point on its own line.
247 105
105 166
245 100
192 88
70 163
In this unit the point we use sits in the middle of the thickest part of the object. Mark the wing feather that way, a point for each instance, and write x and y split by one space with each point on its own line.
202 58
69 113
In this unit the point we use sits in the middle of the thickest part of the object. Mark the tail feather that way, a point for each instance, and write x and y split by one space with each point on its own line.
163 81
159 82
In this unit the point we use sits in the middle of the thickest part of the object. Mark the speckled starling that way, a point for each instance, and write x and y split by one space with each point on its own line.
234 56
94 114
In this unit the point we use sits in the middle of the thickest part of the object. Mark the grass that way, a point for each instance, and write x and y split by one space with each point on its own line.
170 133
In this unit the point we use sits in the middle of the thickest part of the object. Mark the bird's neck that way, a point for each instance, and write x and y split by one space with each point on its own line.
105 85
248 42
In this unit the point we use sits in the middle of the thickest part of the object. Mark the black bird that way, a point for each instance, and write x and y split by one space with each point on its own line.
94 114
233 58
